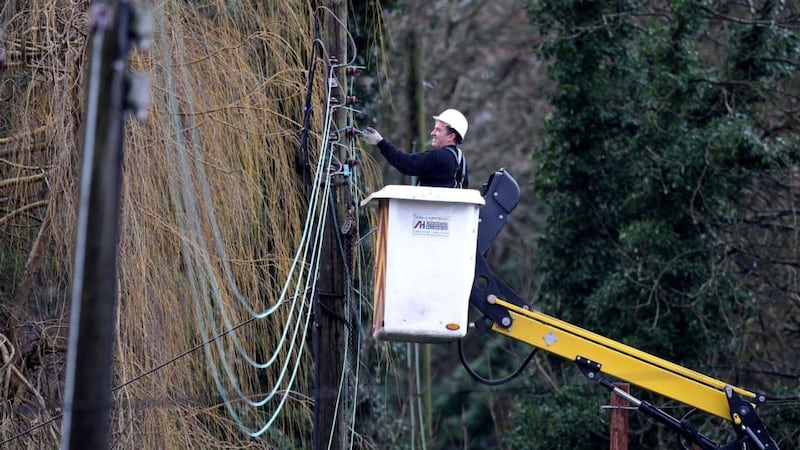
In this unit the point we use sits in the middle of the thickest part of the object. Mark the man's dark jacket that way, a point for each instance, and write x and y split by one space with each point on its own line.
434 167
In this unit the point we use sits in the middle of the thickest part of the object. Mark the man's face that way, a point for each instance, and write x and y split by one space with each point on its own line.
441 136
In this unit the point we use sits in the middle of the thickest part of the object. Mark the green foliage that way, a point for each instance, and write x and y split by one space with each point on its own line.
652 144
464 411
782 417
371 38
639 163
11 264
580 426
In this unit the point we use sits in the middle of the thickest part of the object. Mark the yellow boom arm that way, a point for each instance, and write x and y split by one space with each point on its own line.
620 361
507 314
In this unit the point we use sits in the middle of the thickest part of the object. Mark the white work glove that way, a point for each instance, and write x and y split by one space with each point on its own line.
371 136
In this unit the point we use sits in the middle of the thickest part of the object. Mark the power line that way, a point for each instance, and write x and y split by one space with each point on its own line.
139 377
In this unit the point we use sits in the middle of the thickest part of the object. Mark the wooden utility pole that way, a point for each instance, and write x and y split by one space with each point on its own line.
329 314
619 419
87 397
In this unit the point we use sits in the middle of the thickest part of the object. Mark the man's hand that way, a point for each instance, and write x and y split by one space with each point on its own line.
371 136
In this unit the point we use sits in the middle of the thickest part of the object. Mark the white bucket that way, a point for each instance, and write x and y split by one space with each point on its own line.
424 262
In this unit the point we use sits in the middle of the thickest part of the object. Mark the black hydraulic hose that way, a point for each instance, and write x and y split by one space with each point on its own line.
486 381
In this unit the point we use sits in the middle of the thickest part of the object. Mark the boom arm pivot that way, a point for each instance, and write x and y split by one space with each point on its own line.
507 314
501 194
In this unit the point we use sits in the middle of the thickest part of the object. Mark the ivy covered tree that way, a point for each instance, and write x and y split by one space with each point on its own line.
668 166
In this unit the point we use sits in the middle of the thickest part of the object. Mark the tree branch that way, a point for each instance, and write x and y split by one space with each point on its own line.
21 210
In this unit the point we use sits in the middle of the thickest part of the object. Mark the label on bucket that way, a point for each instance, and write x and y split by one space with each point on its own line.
428 225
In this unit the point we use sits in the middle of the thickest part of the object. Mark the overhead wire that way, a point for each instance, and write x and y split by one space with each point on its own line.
202 262
197 260
315 259
216 293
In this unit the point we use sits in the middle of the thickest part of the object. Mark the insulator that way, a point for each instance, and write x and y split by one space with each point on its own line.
333 137
350 132
352 71
99 17
351 100
142 26
137 95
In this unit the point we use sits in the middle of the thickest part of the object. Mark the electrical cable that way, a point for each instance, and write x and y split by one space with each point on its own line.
344 26
234 288
197 263
220 248
315 265
236 417
353 332
307 108
138 377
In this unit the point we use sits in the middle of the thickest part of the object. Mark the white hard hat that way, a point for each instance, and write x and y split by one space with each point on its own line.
455 120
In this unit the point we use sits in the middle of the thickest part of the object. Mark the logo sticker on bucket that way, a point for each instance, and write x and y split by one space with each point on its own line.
425 225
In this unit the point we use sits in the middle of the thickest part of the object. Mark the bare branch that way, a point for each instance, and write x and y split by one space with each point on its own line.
22 180
21 210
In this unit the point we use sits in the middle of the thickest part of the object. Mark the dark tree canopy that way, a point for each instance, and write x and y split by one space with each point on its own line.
668 166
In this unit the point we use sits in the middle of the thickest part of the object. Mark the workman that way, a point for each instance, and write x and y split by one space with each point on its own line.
444 165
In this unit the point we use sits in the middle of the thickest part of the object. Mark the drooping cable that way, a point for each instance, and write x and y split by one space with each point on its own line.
198 261
316 253
192 206
252 431
217 294
489 382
